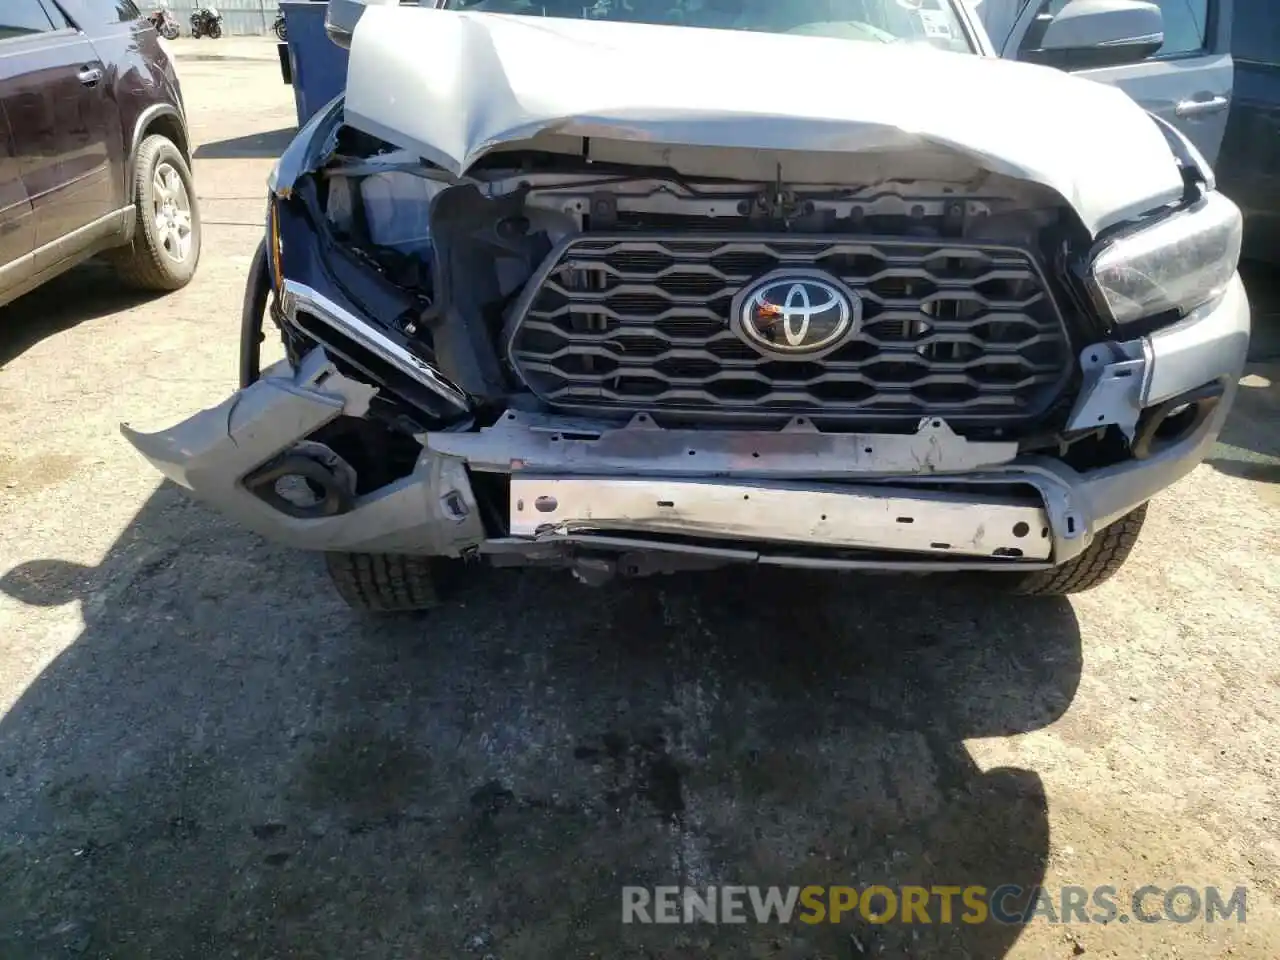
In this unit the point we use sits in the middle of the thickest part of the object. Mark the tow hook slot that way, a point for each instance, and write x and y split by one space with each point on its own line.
331 495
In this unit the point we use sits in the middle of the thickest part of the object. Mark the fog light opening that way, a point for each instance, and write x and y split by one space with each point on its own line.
301 487
1175 420
1176 423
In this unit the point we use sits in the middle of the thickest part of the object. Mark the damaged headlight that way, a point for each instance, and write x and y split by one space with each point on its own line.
1176 264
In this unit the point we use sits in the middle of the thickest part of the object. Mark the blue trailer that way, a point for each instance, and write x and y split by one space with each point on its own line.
309 60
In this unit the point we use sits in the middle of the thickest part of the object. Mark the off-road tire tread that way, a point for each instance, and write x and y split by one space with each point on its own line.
383 582
1100 561
140 264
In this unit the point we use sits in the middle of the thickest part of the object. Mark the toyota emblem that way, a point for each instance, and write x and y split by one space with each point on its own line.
790 314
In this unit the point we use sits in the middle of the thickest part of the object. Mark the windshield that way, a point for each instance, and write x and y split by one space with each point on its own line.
933 22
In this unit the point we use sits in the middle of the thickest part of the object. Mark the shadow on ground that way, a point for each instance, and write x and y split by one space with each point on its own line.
226 762
1262 283
85 293
1249 445
270 145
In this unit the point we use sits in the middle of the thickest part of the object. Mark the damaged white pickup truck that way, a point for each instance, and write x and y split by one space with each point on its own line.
755 283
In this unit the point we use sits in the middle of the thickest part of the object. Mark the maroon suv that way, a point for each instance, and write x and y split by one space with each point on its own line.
94 154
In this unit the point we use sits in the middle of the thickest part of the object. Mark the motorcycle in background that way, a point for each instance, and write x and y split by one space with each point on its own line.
282 32
206 22
166 23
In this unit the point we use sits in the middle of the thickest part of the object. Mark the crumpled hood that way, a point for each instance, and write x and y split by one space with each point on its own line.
453 86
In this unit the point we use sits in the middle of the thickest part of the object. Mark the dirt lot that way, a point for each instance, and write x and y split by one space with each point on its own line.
203 754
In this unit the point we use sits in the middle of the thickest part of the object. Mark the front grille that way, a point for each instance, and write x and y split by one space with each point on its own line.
642 322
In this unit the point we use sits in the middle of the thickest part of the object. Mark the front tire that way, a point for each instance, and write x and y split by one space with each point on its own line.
385 582
282 31
1101 561
215 32
166 240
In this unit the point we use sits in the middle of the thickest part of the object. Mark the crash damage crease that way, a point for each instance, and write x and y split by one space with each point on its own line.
485 81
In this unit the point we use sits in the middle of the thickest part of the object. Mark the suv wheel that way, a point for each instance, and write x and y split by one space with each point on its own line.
1100 561
385 582
166 240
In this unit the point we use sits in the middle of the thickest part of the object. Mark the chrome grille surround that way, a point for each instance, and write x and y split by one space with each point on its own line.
641 322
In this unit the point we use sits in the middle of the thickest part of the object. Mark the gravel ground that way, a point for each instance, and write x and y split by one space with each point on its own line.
203 754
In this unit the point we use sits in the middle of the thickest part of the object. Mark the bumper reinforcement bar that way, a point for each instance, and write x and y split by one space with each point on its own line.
848 517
